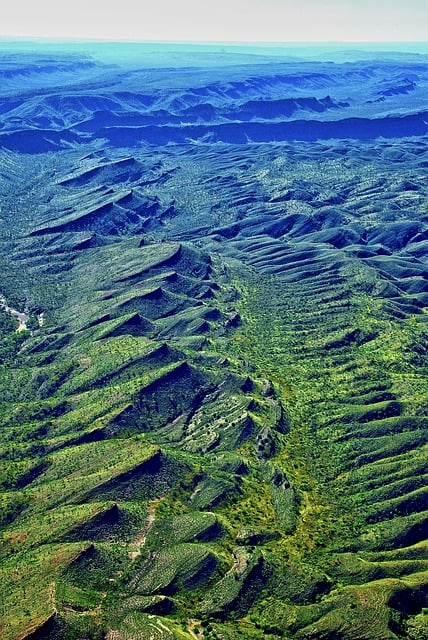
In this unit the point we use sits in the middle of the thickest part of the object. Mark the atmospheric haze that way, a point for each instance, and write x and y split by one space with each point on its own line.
219 21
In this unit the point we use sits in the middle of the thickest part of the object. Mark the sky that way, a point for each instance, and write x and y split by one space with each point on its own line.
267 21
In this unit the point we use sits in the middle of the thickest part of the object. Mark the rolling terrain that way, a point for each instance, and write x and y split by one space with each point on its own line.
214 405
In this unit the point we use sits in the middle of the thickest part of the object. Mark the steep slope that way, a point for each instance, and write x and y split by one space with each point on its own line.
214 419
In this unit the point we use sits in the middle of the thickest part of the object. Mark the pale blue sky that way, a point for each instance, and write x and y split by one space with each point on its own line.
219 20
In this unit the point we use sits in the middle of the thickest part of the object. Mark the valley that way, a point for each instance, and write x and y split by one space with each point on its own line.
214 422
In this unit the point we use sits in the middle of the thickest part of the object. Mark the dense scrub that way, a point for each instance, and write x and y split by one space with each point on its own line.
215 423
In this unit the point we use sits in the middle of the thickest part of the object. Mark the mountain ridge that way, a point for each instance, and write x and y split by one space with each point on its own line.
214 424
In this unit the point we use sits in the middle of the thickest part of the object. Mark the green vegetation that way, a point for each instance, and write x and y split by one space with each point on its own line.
222 438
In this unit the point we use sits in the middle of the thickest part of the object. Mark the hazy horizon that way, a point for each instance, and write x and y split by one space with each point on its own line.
284 46
225 21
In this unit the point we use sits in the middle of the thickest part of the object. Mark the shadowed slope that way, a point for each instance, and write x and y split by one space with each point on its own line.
215 423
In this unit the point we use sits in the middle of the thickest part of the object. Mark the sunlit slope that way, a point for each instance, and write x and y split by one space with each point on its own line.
215 425
116 424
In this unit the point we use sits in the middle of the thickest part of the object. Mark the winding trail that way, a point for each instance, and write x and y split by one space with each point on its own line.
138 543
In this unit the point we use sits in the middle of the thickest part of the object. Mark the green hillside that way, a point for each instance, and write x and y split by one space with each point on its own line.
214 424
